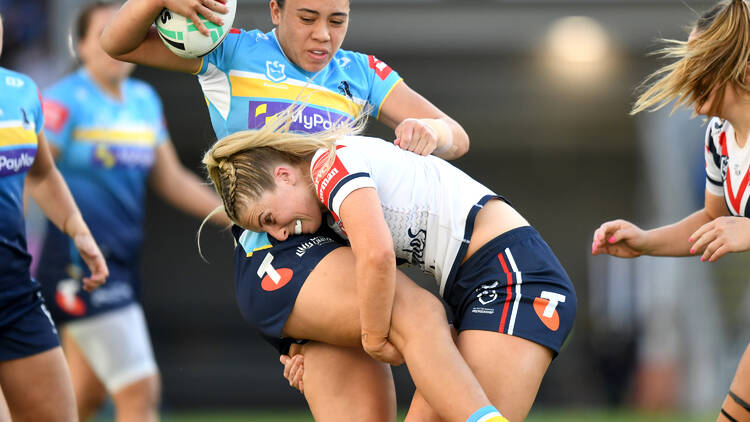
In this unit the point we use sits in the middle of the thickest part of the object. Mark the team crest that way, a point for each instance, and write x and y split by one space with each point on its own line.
486 293
275 71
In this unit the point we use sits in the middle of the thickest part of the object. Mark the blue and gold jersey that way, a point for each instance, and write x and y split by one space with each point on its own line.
20 121
247 79
106 150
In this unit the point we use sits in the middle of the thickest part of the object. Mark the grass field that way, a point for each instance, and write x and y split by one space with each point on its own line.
538 416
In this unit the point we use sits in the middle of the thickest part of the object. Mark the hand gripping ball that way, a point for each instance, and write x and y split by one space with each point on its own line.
182 37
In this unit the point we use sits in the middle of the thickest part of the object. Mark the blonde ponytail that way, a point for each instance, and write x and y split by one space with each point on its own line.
716 57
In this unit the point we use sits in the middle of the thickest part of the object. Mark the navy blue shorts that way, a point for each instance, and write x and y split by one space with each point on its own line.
514 285
269 274
30 329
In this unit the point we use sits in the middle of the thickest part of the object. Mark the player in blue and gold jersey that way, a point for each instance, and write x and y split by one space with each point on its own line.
33 375
253 75
108 134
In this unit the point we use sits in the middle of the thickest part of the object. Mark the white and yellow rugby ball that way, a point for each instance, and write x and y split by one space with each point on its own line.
182 37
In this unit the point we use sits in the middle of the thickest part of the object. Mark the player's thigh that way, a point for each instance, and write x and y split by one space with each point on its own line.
510 369
38 387
327 306
345 384
737 403
89 391
117 346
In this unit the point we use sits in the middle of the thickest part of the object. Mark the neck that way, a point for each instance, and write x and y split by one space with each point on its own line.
109 86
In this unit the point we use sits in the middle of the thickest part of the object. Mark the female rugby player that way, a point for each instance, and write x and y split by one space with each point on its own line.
253 75
710 74
108 134
33 375
509 294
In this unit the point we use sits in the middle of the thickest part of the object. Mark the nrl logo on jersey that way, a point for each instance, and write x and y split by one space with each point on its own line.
275 71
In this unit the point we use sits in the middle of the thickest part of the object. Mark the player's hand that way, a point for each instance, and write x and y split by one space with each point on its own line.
416 136
619 238
93 258
190 9
381 349
721 236
294 369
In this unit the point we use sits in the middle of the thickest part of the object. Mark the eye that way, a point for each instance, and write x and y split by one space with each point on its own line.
306 20
337 22
268 219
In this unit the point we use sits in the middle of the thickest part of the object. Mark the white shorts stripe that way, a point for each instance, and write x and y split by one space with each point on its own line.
519 281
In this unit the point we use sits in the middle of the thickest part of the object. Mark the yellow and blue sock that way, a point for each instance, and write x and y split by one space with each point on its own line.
487 414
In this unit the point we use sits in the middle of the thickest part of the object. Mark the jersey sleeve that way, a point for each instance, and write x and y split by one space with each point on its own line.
38 113
348 173
713 153
222 56
382 79
58 122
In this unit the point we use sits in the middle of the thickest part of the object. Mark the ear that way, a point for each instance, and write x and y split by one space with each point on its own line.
275 12
285 174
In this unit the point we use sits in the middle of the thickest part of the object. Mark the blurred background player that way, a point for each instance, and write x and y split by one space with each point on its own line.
712 75
108 135
33 374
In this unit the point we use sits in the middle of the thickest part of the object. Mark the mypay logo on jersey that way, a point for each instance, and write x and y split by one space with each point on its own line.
310 120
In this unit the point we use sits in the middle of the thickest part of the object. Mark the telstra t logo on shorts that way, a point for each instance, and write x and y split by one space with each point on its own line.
545 307
273 279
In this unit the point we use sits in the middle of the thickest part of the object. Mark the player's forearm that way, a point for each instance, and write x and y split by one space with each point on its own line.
130 26
673 240
376 287
51 193
452 139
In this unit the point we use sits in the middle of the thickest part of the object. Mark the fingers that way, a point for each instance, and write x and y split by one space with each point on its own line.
701 243
720 251
94 260
416 136
198 10
293 370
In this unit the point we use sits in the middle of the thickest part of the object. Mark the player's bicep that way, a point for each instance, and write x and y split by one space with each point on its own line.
362 216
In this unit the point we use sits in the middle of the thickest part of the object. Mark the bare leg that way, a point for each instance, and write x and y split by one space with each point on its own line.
326 311
4 411
89 391
346 384
510 369
38 388
138 401
737 407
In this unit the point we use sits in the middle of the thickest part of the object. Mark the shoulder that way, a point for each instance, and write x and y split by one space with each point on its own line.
62 90
714 129
141 89
18 82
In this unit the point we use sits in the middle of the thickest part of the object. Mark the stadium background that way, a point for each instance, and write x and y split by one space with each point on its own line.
545 100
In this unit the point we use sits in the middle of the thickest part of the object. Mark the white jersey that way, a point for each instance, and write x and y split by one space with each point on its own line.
428 204
727 167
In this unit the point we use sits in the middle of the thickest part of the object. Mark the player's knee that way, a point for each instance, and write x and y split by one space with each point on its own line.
415 311
143 394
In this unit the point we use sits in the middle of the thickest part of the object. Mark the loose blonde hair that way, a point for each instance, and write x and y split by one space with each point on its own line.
715 58
241 165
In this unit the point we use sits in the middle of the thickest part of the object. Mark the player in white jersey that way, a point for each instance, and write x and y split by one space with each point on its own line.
269 69
508 293
711 74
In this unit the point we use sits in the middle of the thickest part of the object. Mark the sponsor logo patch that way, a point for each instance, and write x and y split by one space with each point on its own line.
381 69
310 120
545 308
16 161
55 115
273 278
